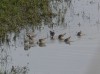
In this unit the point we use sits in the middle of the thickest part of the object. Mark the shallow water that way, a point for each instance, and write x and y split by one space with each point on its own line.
80 57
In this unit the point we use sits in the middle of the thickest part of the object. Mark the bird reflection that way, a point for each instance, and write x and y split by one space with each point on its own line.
42 45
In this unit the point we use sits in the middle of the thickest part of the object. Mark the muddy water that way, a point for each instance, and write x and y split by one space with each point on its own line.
56 57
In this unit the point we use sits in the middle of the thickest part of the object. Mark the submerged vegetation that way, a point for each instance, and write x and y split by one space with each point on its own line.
16 14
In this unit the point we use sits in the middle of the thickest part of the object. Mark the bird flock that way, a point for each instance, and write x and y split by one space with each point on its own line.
29 40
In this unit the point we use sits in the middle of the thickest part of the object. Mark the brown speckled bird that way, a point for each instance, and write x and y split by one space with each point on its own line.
61 36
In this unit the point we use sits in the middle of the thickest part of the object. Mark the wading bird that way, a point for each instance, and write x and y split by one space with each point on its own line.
79 34
67 40
52 33
61 36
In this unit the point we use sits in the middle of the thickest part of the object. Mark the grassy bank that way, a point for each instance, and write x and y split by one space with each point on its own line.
16 14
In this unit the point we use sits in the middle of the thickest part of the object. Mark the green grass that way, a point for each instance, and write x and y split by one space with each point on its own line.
16 14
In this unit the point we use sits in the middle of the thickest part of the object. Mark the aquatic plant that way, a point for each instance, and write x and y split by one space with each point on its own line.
16 14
